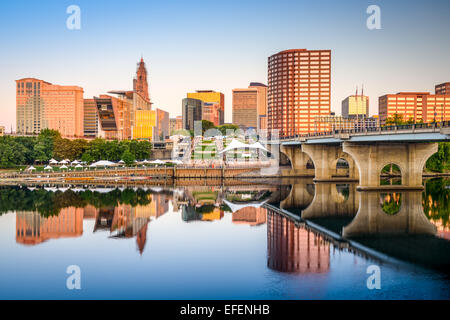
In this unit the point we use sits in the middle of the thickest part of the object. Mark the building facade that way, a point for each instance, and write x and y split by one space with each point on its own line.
443 88
114 117
213 105
356 106
42 105
144 125
299 90
436 107
250 106
90 119
192 110
161 132
407 104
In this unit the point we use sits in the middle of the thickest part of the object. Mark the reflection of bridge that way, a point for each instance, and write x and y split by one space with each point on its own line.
359 219
366 152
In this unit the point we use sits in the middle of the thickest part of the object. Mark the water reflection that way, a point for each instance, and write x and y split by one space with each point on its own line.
403 225
292 248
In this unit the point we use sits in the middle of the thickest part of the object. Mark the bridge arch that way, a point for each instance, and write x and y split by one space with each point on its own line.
300 161
391 173
325 159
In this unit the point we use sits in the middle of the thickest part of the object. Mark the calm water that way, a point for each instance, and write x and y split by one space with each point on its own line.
289 240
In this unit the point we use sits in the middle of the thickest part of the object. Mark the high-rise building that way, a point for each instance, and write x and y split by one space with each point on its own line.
41 105
443 88
192 111
213 105
436 107
136 102
355 105
140 83
175 124
144 124
114 117
407 104
161 132
90 122
250 106
299 90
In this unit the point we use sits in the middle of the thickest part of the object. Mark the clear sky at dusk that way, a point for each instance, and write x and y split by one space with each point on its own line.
220 45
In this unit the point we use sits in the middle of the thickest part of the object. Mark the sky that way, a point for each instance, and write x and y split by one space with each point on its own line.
220 45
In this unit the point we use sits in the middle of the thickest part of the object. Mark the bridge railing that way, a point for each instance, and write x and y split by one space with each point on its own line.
434 126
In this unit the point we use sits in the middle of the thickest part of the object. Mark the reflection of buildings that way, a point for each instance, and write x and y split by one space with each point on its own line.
250 215
32 228
295 249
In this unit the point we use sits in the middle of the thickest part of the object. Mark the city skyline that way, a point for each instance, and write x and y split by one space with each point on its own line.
385 61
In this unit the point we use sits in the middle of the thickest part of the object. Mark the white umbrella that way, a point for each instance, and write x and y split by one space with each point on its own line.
157 162
121 162
93 165
78 166
31 168
53 161
63 167
48 168
75 162
64 162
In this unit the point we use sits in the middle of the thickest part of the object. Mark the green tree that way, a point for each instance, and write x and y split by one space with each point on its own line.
128 157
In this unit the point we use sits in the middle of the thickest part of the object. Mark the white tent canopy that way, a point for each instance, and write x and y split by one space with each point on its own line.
75 162
48 168
31 168
53 161
78 166
64 162
236 144
63 167
157 162
103 163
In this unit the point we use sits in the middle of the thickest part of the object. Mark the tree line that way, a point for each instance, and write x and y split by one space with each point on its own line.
16 151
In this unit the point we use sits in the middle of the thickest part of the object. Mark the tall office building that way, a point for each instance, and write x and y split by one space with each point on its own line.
140 83
407 104
192 111
144 124
355 105
299 90
436 107
250 106
443 88
161 131
114 117
90 116
41 105
213 105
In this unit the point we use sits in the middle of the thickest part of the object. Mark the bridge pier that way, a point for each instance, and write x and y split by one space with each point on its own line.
372 158
372 220
325 158
299 161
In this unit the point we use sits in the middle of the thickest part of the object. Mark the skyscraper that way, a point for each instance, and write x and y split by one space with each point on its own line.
250 106
192 111
90 122
140 83
355 105
299 90
41 105
213 105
